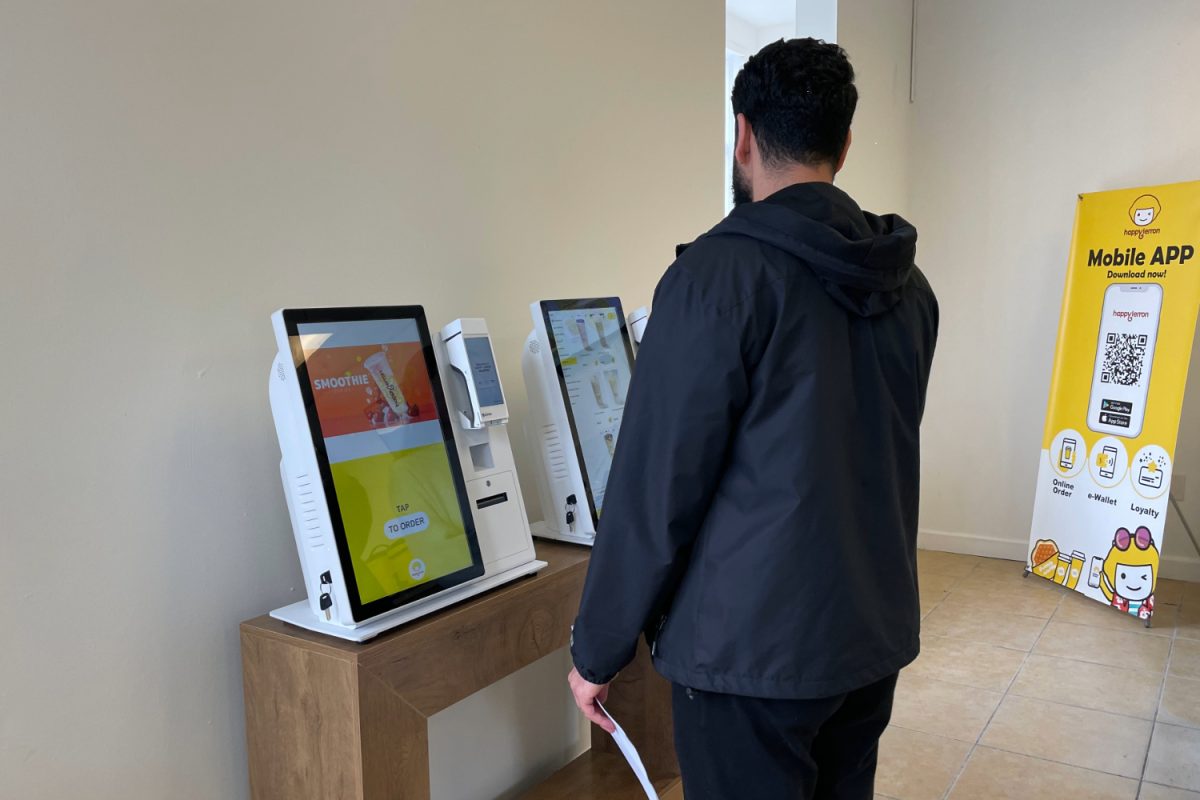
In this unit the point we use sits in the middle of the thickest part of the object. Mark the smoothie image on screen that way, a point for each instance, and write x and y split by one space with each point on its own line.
581 326
600 330
381 370
598 392
614 383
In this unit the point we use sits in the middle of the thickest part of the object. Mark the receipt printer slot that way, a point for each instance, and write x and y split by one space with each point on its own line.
493 500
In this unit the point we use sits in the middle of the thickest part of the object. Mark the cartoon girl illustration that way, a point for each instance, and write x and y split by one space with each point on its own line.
1130 571
1144 210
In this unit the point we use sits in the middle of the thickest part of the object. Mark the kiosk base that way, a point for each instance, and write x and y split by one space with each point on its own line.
328 718
300 615
539 530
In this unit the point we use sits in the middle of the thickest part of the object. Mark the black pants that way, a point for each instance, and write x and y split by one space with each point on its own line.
745 748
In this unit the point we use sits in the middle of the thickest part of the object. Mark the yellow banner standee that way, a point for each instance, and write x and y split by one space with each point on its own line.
1124 341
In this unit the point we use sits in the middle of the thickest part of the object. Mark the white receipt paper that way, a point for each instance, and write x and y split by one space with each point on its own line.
631 755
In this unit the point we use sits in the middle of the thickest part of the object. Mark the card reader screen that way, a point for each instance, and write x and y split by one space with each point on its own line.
596 362
483 369
396 492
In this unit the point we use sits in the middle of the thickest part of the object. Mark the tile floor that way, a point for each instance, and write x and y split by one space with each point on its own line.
1026 690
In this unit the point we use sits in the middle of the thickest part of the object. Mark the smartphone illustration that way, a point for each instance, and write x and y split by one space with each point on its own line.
1066 455
1108 469
1124 355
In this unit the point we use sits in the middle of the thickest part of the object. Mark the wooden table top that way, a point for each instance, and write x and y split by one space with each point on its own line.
560 557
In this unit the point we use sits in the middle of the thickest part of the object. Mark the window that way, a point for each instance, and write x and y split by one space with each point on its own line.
749 26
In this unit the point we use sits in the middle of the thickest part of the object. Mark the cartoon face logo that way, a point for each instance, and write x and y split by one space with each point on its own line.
1145 210
1134 582
1131 566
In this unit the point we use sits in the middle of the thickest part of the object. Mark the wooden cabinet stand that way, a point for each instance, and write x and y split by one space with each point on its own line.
332 719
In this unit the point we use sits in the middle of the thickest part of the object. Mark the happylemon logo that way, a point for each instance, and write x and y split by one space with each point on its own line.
1145 210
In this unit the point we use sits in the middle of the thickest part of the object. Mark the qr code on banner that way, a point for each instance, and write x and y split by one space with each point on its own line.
1124 358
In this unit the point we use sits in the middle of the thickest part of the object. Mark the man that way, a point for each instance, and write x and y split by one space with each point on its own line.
761 517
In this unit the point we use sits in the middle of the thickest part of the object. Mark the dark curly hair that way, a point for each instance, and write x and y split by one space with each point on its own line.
799 98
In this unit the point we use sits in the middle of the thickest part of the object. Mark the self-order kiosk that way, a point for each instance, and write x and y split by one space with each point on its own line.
401 503
577 364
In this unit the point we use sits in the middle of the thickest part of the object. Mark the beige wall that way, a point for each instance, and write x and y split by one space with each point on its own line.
1020 106
875 34
174 171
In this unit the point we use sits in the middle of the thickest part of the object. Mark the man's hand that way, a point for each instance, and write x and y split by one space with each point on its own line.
586 697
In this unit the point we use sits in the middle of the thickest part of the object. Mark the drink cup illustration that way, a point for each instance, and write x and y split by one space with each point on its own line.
380 369
1062 568
1077 560
600 330
581 327
597 391
611 444
614 383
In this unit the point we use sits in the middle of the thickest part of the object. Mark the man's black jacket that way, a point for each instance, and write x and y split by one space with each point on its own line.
761 518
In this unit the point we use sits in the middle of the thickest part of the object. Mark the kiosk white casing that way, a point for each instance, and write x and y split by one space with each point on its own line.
637 321
503 531
559 473
486 456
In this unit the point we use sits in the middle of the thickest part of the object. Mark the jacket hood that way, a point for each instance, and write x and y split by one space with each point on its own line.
861 259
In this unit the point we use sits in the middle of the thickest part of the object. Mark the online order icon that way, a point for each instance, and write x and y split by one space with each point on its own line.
1068 453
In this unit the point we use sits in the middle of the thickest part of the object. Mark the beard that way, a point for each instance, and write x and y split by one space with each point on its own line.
740 187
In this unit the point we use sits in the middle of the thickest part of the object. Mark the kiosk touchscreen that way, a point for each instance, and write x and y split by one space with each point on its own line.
380 506
577 363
